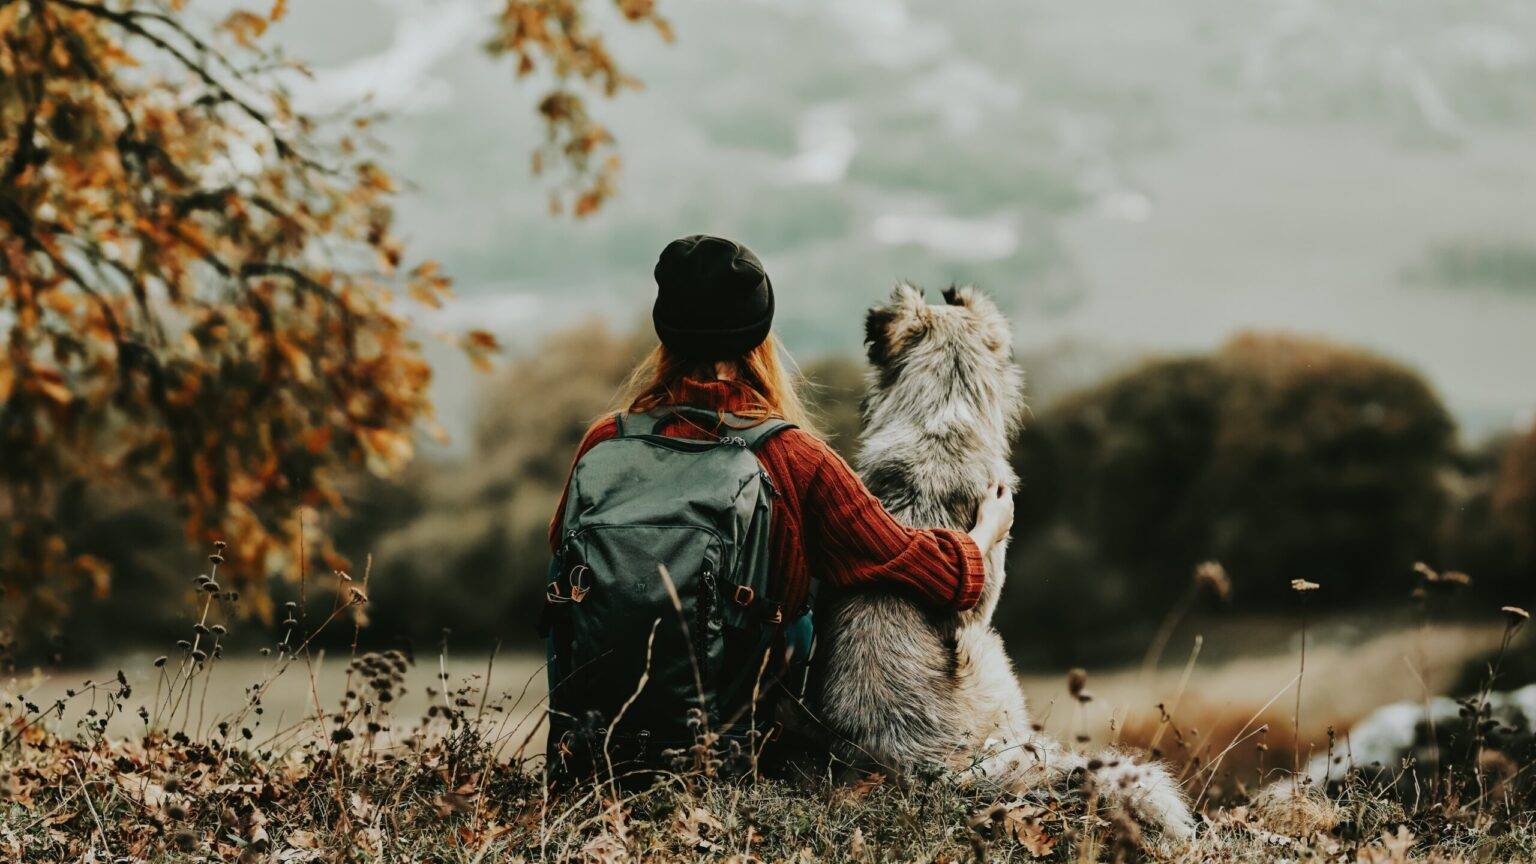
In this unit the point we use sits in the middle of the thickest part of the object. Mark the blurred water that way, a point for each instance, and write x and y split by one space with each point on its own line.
1136 177
1350 673
291 700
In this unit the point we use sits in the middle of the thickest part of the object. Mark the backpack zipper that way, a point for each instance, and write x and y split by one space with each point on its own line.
711 596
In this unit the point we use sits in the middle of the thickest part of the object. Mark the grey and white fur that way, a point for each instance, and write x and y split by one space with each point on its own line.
904 686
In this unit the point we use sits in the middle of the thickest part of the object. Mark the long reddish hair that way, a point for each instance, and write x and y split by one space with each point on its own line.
764 378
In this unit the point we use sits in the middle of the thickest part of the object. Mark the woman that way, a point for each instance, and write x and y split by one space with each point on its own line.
713 311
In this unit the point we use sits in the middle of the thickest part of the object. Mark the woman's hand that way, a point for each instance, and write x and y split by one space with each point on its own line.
994 516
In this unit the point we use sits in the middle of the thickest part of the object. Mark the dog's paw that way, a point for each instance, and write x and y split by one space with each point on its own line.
1146 792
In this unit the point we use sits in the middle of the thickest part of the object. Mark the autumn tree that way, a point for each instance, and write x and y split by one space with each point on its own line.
557 37
200 287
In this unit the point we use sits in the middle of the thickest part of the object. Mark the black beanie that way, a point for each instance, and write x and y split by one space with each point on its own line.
713 298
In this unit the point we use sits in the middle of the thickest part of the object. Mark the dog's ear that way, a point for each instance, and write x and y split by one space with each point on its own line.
907 297
888 328
961 295
878 336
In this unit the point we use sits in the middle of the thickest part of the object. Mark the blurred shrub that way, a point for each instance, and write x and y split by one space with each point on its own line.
833 387
1490 526
1280 456
1514 501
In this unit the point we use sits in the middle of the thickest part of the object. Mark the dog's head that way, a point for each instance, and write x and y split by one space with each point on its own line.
951 363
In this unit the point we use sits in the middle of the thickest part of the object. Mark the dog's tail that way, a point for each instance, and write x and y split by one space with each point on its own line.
1144 791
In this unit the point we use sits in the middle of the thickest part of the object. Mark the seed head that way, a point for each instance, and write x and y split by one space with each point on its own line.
1301 586
1211 576
1077 679
1448 581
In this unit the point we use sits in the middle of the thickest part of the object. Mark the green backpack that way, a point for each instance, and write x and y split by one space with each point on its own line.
658 611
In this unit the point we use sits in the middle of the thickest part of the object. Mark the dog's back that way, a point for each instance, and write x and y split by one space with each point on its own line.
905 687
943 401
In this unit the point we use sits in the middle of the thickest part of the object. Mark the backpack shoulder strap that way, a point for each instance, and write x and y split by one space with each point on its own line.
759 433
636 425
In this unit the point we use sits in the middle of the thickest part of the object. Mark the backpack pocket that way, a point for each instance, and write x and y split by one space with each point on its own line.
620 636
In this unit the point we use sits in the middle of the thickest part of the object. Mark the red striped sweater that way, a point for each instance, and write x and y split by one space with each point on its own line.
827 523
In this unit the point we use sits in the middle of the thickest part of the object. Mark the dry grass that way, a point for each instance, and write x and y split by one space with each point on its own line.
1223 702
384 758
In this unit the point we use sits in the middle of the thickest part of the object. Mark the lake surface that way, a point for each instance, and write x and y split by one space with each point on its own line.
291 695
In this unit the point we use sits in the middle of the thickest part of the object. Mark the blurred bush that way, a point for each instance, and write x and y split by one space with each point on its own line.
1282 457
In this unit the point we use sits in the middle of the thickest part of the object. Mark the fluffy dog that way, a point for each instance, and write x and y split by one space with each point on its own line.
904 686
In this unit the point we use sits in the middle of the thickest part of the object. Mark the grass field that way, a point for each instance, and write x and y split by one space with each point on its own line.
380 759
1402 664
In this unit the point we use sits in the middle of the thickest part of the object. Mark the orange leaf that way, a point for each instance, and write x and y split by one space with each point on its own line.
244 26
297 360
386 449
50 384
97 571
316 440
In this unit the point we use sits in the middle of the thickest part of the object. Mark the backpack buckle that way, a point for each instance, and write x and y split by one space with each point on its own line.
552 594
744 595
578 579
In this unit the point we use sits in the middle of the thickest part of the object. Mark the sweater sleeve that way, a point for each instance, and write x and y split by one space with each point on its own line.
600 431
859 544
